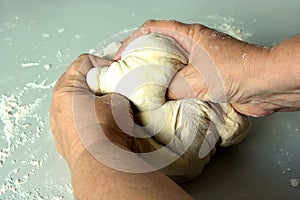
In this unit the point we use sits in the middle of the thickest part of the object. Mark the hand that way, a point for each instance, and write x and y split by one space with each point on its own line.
221 68
255 80
81 124
207 76
76 113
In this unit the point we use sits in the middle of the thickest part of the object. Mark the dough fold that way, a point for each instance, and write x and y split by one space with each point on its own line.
186 129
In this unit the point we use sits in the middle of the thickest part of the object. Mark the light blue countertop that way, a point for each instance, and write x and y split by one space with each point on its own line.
39 39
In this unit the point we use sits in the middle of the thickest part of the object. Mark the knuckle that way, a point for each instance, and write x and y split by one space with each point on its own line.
174 22
80 59
148 22
72 71
83 56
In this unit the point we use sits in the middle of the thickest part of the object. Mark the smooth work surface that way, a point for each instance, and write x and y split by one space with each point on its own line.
39 39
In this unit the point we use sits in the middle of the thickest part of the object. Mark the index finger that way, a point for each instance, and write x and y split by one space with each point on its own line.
174 29
84 63
75 76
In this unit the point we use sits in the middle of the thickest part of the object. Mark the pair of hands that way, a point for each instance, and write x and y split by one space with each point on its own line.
217 71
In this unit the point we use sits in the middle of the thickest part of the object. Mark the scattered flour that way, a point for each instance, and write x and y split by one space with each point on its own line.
21 126
30 64
29 166
60 30
46 35
230 26
36 64
244 56
41 85
58 198
77 36
294 182
59 56
47 66
23 151
13 115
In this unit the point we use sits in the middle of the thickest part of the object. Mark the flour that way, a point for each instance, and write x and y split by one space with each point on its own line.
30 64
59 56
18 120
47 66
294 182
41 85
60 30
46 35
230 26
30 167
12 115
37 64
24 151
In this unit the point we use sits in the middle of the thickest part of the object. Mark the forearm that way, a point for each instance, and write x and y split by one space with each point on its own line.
93 180
284 63
280 80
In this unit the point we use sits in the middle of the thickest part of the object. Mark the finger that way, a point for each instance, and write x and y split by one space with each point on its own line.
180 87
75 76
169 28
125 42
84 63
187 83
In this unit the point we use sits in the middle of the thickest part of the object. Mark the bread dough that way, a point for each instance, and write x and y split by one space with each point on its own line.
187 129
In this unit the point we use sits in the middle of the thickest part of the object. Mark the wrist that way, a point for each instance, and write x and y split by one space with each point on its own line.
241 65
255 71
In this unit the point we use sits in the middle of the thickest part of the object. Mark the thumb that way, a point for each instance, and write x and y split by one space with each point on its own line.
187 83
